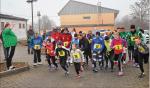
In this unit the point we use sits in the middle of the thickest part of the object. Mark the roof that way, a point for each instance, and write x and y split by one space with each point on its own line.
4 16
75 7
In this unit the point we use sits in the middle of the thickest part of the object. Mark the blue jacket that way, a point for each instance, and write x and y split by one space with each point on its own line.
36 41
97 44
75 41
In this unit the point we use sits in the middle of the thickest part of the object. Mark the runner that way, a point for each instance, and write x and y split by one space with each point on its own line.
36 44
108 51
77 56
131 42
62 55
118 44
66 39
98 51
50 54
141 49
85 47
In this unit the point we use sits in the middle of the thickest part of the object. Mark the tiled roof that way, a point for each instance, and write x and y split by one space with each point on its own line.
12 17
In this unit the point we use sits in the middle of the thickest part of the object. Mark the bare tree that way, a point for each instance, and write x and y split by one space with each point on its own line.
125 22
140 13
46 23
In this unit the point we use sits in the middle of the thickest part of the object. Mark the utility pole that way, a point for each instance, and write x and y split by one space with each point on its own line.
31 2
39 14
98 12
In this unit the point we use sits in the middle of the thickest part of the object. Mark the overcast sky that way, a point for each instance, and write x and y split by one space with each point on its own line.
51 7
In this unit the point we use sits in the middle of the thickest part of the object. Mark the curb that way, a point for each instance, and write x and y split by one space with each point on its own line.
15 71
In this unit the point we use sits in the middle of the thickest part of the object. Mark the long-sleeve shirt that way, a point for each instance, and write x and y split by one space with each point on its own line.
107 45
77 55
36 43
84 45
62 53
118 45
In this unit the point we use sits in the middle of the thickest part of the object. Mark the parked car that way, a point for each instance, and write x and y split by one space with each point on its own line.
146 36
102 31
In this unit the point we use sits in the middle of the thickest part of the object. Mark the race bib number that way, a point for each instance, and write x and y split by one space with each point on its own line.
132 38
36 47
118 47
141 49
97 46
65 44
76 56
61 53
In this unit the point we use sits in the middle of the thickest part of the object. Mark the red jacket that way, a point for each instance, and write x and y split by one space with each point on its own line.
50 49
118 45
66 38
56 36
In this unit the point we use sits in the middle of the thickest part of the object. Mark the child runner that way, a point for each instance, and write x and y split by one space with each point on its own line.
118 44
36 44
50 54
141 49
77 56
66 38
97 49
62 54
108 51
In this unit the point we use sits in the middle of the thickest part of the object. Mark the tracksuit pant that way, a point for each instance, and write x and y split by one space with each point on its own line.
77 66
37 56
9 53
140 61
116 57
108 56
53 60
98 58
63 63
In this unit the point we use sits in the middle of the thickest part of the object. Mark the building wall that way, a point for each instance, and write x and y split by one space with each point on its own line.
104 18
19 31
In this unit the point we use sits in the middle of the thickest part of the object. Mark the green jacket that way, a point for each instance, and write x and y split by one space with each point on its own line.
131 37
9 38
123 35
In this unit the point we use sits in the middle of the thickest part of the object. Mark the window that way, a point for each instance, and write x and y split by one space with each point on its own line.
2 25
23 25
19 25
87 17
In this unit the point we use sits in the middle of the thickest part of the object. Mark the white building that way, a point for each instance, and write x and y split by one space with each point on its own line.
20 25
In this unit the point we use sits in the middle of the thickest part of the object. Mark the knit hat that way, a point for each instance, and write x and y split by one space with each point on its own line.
106 38
98 33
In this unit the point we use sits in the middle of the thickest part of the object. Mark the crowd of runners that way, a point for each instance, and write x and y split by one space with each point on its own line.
99 51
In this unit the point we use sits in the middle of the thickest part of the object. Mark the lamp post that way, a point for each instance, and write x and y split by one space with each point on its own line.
39 14
31 1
